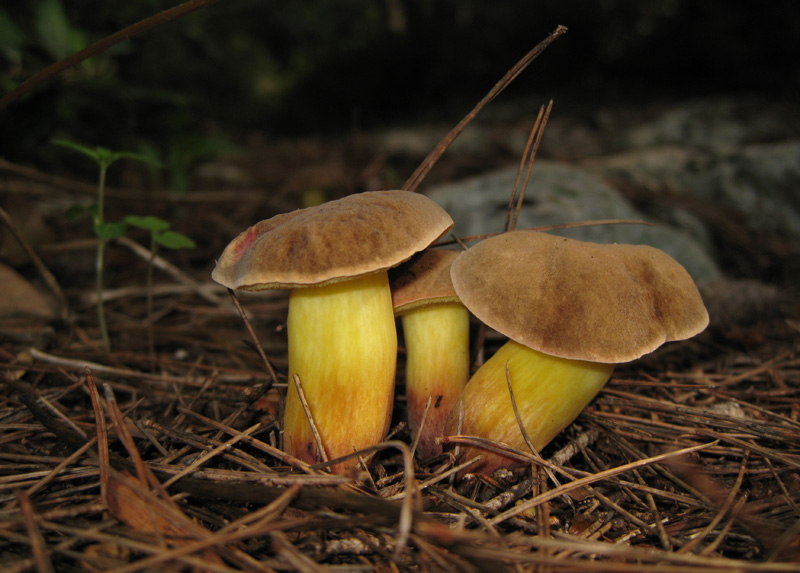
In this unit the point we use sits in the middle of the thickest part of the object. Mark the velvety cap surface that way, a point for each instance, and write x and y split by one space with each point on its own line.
579 300
353 236
423 280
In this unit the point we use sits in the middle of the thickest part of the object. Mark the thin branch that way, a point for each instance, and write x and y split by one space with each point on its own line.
428 163
556 492
38 545
541 122
101 46
163 264
45 273
421 426
256 341
206 456
522 160
524 433
320 446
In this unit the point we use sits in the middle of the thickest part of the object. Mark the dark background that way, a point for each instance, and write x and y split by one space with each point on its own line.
324 67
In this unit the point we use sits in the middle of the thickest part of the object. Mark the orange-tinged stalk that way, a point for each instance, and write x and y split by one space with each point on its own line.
549 392
343 347
437 367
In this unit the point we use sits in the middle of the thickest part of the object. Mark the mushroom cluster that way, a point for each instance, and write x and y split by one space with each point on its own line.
341 329
570 309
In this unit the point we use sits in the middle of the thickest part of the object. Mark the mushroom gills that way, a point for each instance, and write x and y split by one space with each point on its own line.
343 348
437 367
549 391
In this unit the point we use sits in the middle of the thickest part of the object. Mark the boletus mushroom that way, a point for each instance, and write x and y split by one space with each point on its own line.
572 310
436 334
341 330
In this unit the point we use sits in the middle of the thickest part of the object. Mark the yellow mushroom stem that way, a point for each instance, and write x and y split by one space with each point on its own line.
437 367
549 392
343 347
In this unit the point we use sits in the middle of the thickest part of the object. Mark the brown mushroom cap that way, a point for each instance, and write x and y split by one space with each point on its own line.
422 281
353 236
579 300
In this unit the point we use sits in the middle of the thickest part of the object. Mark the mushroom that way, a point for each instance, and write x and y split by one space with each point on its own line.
436 333
572 310
341 330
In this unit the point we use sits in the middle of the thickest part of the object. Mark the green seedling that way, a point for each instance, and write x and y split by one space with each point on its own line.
102 229
160 236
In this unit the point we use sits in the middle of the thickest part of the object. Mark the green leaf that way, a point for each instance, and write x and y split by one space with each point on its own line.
104 156
58 37
12 39
187 151
93 153
138 157
149 223
76 211
149 154
174 240
108 231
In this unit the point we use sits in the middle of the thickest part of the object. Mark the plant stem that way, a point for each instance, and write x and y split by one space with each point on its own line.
150 328
100 264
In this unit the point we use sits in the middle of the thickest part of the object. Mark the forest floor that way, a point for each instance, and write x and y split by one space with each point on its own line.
163 454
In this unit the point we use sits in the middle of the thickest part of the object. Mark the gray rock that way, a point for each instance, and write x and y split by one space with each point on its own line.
738 153
723 157
560 193
696 124
760 180
720 124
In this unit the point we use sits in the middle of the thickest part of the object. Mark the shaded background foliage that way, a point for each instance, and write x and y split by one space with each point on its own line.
321 66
